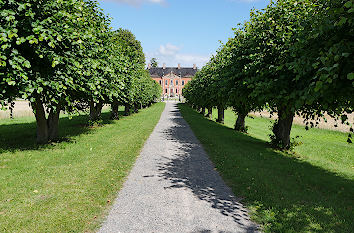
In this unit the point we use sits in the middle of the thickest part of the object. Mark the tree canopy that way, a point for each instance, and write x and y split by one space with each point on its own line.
61 55
154 62
293 57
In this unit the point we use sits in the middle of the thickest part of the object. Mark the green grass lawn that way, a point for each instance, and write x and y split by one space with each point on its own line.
309 191
67 186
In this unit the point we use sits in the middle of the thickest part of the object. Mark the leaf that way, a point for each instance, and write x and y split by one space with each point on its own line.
342 21
27 64
348 4
350 76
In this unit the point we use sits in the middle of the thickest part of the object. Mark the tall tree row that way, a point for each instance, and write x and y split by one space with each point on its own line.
293 57
63 56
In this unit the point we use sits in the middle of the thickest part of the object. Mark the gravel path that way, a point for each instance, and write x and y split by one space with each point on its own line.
173 187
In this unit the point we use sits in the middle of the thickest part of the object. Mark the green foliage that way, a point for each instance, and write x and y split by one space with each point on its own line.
292 57
60 54
139 88
153 62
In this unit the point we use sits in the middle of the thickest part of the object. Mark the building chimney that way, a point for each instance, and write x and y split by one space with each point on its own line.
164 66
179 66
149 66
194 66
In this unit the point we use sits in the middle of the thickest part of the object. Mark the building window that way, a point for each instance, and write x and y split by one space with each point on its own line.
176 82
171 82
166 91
166 83
182 82
176 91
160 82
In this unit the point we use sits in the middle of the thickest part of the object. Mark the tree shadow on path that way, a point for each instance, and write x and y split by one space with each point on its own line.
190 168
285 193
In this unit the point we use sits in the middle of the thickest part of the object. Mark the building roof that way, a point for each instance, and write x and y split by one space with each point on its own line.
183 72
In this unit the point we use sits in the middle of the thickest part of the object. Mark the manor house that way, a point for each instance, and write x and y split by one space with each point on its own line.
172 79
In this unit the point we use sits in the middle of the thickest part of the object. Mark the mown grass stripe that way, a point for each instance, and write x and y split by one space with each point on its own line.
285 192
67 186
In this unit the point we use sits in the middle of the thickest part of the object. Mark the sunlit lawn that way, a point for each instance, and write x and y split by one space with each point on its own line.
309 191
67 186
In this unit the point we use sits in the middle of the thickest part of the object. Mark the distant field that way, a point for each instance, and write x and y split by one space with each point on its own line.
22 109
328 124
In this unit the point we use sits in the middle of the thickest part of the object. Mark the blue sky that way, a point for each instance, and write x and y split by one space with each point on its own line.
180 31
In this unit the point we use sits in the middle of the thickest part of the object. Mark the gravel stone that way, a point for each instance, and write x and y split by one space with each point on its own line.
173 187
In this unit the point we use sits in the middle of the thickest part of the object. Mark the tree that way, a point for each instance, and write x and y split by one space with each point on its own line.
237 70
324 57
153 62
131 48
62 55
293 57
39 41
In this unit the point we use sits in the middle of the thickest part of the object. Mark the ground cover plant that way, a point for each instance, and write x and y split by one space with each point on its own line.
310 191
67 186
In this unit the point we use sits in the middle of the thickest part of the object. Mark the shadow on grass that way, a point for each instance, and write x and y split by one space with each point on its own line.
22 136
284 193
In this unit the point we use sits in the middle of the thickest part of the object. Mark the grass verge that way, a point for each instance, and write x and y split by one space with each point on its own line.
311 191
67 186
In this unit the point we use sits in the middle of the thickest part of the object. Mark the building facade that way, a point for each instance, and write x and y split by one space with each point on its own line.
172 79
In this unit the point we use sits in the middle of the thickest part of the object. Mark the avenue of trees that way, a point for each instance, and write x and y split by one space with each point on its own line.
63 56
293 57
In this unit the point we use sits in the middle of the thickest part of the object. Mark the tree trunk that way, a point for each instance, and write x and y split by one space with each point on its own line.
220 114
203 111
12 105
282 128
95 111
136 108
126 110
240 122
210 113
42 126
53 123
114 107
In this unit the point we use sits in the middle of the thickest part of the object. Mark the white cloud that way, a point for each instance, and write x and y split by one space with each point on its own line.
169 49
156 1
192 59
137 2
171 55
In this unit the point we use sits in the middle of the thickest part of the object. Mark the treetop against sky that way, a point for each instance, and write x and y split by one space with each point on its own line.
180 31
